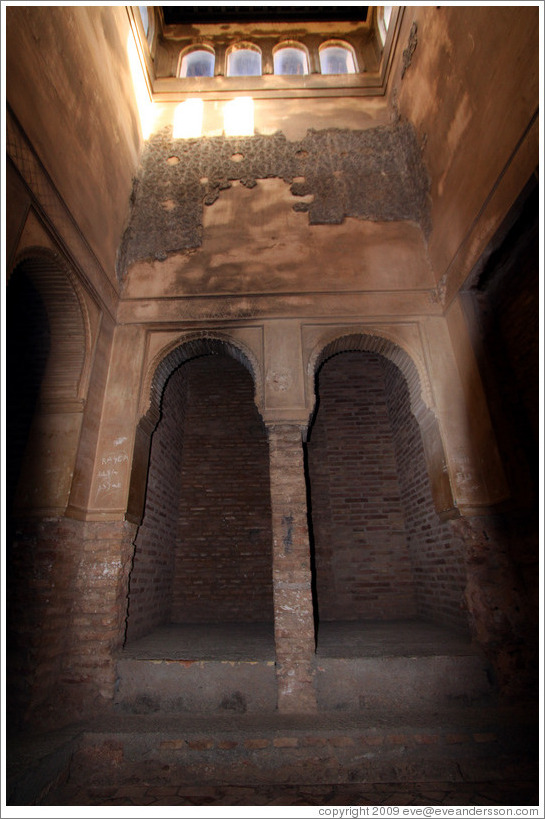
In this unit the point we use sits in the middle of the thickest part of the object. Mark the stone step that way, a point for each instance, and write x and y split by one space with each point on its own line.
457 744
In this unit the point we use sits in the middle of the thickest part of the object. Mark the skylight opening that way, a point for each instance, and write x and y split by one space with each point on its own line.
145 18
384 16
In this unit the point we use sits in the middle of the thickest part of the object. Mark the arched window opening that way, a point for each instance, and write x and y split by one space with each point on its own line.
291 60
198 63
244 61
144 16
337 58
384 15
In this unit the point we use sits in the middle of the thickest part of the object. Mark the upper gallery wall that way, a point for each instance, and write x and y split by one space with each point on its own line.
317 186
450 127
455 115
468 80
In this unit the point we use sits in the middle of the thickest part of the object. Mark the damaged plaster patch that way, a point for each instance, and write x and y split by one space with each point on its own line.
409 51
375 174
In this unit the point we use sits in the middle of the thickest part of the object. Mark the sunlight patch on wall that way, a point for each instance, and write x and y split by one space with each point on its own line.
142 94
188 118
238 117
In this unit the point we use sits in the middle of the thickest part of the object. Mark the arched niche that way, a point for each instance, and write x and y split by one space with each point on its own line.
46 467
161 368
202 552
378 540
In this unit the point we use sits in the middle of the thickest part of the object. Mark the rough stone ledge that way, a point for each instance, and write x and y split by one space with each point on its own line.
453 744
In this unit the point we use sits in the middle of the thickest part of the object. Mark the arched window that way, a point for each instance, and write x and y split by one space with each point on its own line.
384 15
337 58
290 59
145 18
198 63
244 61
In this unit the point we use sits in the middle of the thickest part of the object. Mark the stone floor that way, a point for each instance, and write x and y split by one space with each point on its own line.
455 753
428 793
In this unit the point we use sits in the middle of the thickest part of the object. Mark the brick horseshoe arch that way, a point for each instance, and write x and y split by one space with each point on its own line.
67 370
373 342
162 367
420 399
191 346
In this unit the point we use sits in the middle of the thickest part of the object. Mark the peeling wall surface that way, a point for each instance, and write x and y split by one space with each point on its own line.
376 175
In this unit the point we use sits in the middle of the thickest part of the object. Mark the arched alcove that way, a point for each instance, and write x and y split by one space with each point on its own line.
65 376
47 368
28 337
47 360
202 560
381 553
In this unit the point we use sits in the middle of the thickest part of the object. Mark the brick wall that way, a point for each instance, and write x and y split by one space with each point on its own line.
68 585
363 567
437 553
150 594
223 562
503 550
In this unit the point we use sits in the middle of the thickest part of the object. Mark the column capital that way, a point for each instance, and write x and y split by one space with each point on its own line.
289 418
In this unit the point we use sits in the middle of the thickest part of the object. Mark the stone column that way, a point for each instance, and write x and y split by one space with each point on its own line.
293 611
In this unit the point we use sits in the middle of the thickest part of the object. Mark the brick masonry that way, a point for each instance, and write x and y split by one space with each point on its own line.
437 552
381 551
222 568
363 565
203 552
356 753
68 583
293 611
150 591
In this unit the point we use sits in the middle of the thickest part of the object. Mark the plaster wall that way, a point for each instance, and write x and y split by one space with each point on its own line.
292 115
470 90
48 467
70 87
255 242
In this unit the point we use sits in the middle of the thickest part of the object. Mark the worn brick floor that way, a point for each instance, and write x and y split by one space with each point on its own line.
429 793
